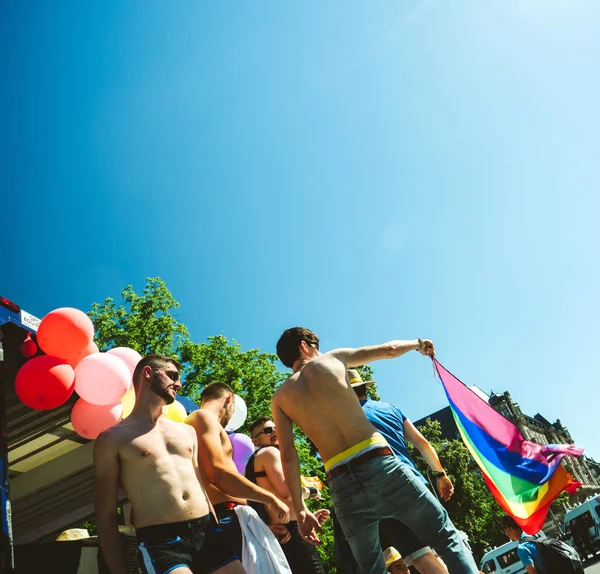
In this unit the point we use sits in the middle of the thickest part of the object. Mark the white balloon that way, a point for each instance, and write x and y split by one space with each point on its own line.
239 415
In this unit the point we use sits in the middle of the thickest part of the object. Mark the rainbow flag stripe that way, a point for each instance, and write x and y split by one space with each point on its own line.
524 477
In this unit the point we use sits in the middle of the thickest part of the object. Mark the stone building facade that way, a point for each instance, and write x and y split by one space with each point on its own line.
540 430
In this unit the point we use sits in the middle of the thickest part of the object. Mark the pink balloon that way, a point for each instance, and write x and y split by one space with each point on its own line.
90 420
242 450
129 356
102 379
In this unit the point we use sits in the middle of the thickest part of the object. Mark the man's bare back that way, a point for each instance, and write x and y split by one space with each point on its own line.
198 420
319 399
156 470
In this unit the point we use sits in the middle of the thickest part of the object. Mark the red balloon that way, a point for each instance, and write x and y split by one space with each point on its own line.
65 332
45 382
89 350
28 347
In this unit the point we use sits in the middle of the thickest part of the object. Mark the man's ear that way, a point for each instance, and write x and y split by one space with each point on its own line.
147 372
304 347
228 400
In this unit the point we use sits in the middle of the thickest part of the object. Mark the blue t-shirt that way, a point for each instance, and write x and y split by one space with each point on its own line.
389 421
529 553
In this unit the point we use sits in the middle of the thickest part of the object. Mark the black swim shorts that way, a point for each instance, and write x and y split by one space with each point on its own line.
230 525
197 544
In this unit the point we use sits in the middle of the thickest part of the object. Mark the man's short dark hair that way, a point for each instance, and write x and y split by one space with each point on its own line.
258 422
509 522
215 391
288 346
154 361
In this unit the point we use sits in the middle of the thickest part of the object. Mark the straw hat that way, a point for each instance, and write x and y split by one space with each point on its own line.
355 380
390 555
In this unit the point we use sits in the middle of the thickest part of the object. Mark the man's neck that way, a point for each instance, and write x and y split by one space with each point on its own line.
148 406
214 408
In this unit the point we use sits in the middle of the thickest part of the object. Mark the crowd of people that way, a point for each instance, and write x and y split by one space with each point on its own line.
194 512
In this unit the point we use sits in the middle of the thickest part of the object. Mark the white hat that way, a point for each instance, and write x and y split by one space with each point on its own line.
390 555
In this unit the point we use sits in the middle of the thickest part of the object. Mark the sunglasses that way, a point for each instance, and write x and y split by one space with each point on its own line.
173 375
266 431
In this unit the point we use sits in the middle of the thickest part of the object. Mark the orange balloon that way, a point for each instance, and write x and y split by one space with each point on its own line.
45 382
89 350
65 332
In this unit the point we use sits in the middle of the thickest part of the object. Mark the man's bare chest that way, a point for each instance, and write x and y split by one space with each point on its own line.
157 444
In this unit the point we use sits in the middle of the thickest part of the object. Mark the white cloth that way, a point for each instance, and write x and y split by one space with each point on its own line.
261 553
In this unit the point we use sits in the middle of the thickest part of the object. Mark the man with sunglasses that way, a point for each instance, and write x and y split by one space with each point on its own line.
264 468
155 461
367 482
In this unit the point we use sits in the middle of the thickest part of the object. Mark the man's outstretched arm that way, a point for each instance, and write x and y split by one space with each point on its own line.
390 350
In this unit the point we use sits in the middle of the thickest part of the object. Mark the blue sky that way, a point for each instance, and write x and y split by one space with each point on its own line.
370 171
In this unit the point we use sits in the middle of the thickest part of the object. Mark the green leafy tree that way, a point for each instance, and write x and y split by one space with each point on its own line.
143 322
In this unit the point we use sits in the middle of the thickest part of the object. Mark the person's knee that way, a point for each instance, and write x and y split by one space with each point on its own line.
429 564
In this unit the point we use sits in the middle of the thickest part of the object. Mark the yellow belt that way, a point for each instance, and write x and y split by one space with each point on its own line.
376 441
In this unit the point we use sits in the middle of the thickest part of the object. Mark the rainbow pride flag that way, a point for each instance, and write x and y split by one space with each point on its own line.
524 477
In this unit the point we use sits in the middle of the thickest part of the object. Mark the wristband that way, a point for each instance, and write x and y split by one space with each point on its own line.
420 341
439 474
313 492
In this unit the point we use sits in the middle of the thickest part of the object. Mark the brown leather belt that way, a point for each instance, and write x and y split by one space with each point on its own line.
361 459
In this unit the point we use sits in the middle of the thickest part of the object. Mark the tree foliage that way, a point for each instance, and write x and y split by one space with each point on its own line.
143 322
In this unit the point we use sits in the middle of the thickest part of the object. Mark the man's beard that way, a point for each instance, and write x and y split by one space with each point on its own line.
162 392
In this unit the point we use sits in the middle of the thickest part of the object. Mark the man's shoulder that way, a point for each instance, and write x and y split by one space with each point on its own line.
201 417
381 406
119 432
267 453
526 548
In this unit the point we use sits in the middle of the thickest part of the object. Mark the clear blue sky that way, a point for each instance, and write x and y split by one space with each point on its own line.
370 171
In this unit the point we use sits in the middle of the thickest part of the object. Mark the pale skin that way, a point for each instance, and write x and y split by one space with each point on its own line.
429 563
215 460
319 384
268 460
154 460
515 534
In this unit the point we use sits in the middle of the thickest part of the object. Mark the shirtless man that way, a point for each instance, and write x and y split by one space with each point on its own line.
264 468
226 487
366 481
155 462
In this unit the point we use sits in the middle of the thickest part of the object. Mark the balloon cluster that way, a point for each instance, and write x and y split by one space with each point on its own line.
73 363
